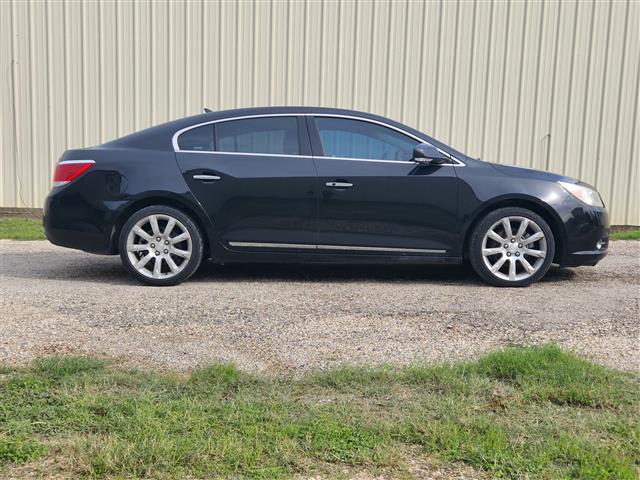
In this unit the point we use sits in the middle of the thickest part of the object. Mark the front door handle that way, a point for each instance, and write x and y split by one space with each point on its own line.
206 178
339 184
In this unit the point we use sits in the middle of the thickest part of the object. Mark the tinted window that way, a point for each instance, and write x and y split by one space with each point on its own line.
342 137
200 138
275 135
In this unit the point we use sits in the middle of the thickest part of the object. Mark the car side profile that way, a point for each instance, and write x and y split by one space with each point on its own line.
303 185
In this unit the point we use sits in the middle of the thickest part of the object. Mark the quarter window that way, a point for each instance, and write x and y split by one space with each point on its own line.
199 139
272 135
348 138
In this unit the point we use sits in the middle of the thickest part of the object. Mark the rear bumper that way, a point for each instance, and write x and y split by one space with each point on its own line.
587 236
71 221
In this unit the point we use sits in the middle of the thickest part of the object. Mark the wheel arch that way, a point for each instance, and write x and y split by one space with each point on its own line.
535 205
169 201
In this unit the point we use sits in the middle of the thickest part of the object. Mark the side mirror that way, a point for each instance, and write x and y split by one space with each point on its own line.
426 154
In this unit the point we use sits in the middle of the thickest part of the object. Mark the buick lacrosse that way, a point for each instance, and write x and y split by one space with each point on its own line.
309 185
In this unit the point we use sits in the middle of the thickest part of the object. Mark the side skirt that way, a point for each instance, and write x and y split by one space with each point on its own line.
342 258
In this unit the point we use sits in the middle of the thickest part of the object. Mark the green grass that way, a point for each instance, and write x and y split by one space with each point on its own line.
21 229
521 412
31 229
625 235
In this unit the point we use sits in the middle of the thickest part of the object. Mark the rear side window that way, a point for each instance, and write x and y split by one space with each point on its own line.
348 138
274 135
198 139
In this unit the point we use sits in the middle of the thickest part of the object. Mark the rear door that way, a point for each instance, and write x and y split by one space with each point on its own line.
256 180
373 198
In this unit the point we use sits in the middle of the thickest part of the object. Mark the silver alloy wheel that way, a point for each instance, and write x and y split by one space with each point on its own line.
514 248
159 246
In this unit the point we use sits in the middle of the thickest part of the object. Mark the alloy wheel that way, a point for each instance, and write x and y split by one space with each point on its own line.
159 246
514 248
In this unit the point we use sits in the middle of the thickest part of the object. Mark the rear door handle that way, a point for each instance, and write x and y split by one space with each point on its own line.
339 184
206 178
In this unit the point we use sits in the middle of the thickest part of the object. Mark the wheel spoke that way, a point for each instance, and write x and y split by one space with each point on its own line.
533 238
523 227
494 236
172 265
142 262
512 269
153 220
496 266
179 238
138 247
492 251
507 227
141 233
527 266
157 268
534 253
170 224
181 253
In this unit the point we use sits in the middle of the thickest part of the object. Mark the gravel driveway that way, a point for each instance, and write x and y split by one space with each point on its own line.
271 319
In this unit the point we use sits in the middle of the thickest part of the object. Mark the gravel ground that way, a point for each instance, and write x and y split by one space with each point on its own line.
271 319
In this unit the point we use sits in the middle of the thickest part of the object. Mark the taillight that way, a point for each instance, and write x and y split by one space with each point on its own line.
68 170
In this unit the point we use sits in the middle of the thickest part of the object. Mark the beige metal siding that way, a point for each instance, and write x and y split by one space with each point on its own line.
551 85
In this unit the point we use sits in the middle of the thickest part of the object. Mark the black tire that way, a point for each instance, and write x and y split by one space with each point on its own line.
196 245
476 244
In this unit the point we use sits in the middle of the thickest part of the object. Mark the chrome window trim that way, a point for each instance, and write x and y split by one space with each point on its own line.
309 246
303 156
176 148
66 162
245 154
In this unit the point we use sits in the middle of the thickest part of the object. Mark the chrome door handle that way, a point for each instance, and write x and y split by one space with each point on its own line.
339 184
206 177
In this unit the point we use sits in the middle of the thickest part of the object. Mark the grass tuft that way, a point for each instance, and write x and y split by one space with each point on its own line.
21 229
57 367
625 235
549 373
535 412
222 375
19 449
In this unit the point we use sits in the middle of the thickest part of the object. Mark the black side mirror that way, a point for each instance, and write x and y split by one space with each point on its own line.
426 154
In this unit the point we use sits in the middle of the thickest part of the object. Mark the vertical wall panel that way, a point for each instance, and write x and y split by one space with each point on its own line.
24 161
552 85
7 114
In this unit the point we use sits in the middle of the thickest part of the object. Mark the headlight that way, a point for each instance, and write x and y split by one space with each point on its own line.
583 193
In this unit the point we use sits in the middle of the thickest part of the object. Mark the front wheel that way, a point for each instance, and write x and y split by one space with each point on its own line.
512 247
160 246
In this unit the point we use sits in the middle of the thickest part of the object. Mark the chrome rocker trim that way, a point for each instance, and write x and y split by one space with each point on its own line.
306 246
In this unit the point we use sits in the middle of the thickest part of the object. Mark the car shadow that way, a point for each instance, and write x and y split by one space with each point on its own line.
108 270
337 272
445 274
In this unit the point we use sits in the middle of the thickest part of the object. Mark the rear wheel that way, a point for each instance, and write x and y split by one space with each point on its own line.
160 245
512 247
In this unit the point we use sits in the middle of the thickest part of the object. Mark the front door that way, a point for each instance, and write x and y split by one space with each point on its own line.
373 198
256 180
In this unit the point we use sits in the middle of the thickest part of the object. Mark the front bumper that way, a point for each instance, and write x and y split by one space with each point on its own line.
587 240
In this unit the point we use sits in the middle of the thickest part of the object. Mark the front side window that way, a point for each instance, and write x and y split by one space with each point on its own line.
198 139
342 137
271 135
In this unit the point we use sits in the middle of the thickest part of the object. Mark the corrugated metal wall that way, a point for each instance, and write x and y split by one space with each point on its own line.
550 85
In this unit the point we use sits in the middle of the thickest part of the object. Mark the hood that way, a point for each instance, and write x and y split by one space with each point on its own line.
513 171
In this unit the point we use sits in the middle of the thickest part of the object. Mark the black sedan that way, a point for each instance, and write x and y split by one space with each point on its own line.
308 185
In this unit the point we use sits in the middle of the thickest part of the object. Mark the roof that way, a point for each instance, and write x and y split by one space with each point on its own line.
159 137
